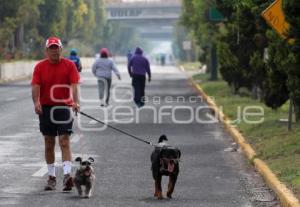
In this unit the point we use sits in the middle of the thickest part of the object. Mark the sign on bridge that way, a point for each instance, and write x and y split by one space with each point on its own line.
125 12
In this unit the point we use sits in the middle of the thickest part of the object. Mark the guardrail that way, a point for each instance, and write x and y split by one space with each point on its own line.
20 70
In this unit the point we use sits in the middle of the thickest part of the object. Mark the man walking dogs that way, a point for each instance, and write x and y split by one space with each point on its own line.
138 66
54 92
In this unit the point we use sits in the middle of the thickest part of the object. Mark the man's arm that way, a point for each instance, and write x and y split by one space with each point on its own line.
80 65
148 70
75 94
116 71
35 91
94 67
129 67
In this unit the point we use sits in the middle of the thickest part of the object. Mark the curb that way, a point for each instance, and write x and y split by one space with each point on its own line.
286 196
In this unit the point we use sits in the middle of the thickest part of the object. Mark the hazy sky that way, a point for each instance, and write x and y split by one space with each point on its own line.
138 0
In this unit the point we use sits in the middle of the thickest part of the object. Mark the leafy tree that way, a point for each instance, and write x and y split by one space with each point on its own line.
180 35
239 36
194 17
229 67
276 92
291 10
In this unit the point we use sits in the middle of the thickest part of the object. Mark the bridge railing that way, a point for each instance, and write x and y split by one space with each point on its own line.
144 3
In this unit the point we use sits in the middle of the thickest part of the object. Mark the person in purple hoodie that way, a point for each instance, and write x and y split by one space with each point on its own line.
138 66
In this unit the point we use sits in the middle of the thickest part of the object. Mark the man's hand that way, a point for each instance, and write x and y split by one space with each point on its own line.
119 77
149 79
38 108
76 107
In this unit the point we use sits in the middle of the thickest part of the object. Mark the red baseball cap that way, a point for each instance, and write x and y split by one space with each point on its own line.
104 51
53 41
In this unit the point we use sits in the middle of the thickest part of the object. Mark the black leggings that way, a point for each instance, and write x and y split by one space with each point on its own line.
138 83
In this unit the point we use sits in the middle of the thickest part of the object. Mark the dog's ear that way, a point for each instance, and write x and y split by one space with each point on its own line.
179 153
162 138
78 159
91 159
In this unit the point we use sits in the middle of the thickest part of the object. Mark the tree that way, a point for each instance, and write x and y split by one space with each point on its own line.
194 17
291 10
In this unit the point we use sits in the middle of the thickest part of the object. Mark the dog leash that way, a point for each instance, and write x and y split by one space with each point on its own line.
119 130
80 135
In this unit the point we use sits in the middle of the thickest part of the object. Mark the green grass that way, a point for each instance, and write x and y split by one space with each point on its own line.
191 66
271 139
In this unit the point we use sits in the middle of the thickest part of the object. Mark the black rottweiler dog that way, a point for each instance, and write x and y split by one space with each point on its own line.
165 161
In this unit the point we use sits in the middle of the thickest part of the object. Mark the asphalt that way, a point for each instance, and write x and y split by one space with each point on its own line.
212 172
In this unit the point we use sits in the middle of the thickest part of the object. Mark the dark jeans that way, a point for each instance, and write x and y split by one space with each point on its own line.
138 83
104 89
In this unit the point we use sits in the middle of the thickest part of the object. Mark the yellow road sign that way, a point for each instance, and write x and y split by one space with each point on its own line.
275 18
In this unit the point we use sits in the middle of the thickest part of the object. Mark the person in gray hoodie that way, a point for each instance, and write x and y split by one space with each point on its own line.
138 66
102 69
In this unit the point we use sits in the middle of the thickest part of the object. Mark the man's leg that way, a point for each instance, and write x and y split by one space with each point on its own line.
49 149
142 85
136 88
108 81
101 88
64 142
50 160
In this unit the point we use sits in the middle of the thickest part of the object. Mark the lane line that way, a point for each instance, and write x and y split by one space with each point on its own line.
44 169
41 172
10 99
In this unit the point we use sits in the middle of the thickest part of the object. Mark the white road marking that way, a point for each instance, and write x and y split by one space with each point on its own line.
41 172
44 169
11 99
12 136
18 135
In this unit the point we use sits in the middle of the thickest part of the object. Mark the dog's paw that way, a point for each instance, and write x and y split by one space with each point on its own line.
169 196
88 194
159 196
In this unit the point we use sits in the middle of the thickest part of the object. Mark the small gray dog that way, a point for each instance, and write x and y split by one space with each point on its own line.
85 176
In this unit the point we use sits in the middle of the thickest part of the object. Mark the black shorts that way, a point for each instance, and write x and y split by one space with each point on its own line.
56 120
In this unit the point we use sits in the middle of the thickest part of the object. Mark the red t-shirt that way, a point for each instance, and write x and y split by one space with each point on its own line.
55 81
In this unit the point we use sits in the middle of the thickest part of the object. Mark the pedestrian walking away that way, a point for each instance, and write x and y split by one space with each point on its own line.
75 59
54 93
129 56
137 68
102 70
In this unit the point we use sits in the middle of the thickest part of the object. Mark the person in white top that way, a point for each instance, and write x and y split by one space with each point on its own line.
102 69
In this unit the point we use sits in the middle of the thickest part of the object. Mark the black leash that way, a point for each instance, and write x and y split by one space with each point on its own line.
119 130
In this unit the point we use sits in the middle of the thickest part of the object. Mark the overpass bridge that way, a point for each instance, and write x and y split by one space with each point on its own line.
153 19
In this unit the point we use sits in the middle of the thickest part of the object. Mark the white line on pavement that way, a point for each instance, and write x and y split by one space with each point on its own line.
13 136
11 99
43 170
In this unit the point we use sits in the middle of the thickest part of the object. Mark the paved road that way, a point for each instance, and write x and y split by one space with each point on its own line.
210 175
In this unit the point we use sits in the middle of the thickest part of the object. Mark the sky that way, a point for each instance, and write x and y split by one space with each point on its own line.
138 0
